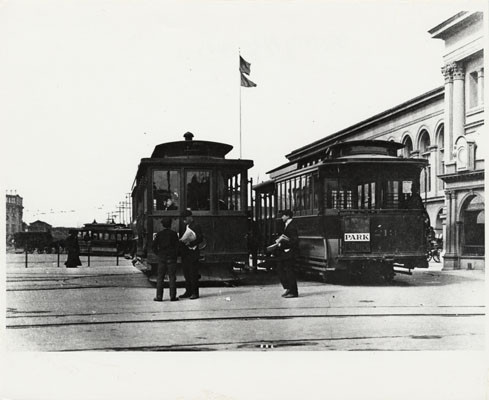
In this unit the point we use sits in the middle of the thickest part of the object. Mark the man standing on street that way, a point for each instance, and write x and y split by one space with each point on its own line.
165 246
190 240
288 246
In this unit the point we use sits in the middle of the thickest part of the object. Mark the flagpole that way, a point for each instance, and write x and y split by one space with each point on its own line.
239 59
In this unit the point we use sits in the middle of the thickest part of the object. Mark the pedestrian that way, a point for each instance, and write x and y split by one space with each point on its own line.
73 249
415 202
170 205
287 249
190 241
165 246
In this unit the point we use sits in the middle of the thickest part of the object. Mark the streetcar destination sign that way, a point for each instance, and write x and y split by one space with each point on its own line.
357 237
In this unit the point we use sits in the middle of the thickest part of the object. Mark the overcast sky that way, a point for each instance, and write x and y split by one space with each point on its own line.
90 87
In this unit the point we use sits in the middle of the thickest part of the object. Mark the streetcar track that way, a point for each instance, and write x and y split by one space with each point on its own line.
257 344
47 277
218 310
237 318
68 287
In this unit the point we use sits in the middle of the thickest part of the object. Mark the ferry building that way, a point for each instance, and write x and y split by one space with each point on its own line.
446 127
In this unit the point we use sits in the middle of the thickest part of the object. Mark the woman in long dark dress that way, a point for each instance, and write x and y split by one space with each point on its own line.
73 249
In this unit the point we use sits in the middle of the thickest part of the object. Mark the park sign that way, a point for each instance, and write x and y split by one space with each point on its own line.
357 237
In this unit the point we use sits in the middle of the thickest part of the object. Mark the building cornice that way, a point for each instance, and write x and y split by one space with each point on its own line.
454 24
462 176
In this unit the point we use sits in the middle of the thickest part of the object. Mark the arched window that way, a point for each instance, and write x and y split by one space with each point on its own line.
472 217
424 152
408 147
440 155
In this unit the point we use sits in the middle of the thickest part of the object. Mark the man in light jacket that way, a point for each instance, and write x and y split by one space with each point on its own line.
190 241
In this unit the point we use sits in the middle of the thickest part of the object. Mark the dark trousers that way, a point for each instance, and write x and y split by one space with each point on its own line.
167 264
286 273
190 266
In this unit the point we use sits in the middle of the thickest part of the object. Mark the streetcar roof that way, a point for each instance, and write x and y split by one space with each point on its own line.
190 152
376 160
358 158
262 185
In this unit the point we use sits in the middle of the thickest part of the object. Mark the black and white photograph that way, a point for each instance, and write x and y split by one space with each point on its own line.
243 199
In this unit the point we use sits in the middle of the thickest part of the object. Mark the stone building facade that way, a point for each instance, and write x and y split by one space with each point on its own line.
14 211
444 126
463 173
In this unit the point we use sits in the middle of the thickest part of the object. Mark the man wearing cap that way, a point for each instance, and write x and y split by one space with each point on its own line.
190 241
165 246
288 246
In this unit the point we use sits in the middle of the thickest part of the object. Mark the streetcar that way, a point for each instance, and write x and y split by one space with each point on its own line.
42 242
194 175
357 207
105 239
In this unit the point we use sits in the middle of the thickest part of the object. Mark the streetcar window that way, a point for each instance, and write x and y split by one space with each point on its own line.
339 196
372 197
307 192
314 190
366 195
288 196
296 194
166 189
198 190
229 191
392 194
283 206
279 195
397 194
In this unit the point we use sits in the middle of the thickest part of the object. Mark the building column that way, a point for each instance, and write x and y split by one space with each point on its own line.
451 259
480 87
447 71
458 101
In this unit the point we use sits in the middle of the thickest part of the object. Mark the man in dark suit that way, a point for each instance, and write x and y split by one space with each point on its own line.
287 250
165 246
190 241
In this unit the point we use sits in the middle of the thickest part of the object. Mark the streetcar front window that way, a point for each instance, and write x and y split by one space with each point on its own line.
339 195
198 190
398 194
166 190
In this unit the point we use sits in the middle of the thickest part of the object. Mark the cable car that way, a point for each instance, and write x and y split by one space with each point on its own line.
357 207
195 175
104 239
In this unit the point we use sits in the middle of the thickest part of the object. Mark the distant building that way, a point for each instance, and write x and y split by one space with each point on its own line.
14 210
39 226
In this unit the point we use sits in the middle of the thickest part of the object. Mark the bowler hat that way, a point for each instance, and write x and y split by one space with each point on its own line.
187 213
